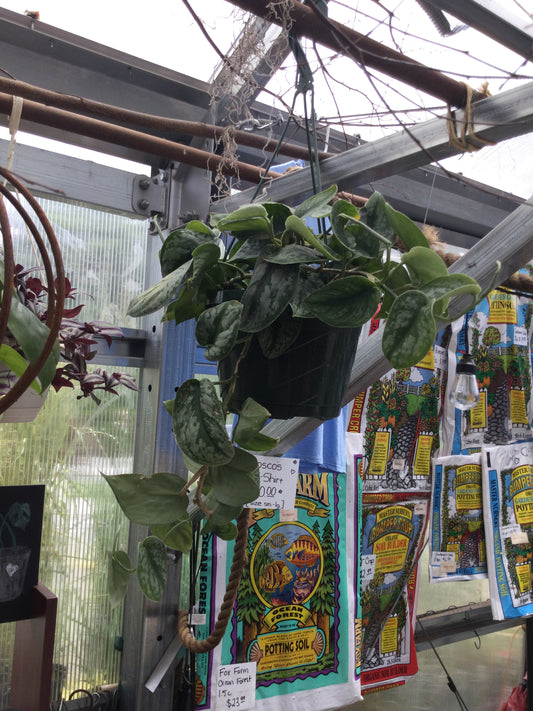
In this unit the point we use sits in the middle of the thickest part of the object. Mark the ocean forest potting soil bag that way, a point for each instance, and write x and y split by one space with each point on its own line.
457 549
397 418
499 338
508 516
293 620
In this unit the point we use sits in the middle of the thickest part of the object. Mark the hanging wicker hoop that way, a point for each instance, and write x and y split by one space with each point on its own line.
55 276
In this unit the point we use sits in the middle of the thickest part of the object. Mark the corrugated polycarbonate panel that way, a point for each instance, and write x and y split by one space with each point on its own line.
70 445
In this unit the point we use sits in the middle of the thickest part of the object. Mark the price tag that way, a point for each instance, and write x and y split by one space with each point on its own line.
398 464
519 538
236 686
440 356
444 561
277 483
510 530
520 336
197 618
368 566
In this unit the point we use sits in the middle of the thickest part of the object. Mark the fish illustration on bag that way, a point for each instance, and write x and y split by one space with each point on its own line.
275 576
304 552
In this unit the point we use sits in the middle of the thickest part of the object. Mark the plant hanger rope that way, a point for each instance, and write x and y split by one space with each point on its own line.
237 566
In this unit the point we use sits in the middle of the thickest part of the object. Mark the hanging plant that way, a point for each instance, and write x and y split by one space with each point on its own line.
272 275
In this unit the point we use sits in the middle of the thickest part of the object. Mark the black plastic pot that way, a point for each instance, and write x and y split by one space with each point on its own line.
308 380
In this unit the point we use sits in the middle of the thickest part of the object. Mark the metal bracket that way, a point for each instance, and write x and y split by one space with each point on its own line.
149 196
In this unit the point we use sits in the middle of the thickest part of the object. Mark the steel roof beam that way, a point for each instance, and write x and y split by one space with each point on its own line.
492 20
496 118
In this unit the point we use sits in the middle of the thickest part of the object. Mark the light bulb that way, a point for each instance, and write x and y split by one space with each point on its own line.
464 394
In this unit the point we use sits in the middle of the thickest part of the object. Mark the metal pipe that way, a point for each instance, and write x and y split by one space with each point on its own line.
118 135
307 22
82 105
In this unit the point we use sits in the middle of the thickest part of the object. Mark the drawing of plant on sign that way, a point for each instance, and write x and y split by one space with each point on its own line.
20 540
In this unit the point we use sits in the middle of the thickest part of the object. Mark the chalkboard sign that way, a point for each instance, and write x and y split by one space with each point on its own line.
21 517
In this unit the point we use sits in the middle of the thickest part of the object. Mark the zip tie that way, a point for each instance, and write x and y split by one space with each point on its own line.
468 141
14 122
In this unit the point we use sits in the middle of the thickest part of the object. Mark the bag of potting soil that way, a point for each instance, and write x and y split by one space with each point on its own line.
394 660
292 632
508 518
398 420
457 549
499 338
391 542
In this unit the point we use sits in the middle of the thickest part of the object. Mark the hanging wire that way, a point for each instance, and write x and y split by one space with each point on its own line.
451 684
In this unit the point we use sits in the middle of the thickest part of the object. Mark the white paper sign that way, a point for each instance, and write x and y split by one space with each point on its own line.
368 566
510 530
520 336
519 538
440 357
236 686
278 478
444 561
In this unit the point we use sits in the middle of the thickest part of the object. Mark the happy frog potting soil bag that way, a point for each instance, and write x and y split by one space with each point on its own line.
508 517
292 629
397 418
457 548
499 337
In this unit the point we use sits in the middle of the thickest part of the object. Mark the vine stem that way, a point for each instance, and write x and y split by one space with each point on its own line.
237 566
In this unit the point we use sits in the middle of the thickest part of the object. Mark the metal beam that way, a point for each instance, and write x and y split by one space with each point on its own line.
495 119
44 55
493 20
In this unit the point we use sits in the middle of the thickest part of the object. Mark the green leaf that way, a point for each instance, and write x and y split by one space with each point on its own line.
227 531
346 303
441 290
268 294
317 205
236 483
199 425
15 362
375 214
410 330
152 567
31 335
424 265
179 246
176 535
247 432
292 254
280 335
217 329
301 230
220 514
203 258
183 308
248 218
407 231
149 500
119 570
161 293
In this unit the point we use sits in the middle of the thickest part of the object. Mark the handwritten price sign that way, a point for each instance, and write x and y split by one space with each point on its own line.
277 483
236 686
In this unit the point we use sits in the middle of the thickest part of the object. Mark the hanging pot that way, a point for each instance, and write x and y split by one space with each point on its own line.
310 379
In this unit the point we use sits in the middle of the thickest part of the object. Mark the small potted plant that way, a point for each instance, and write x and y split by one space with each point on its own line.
263 285
67 364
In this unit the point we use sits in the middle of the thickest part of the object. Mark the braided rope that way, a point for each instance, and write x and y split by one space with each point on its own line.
237 566
468 141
